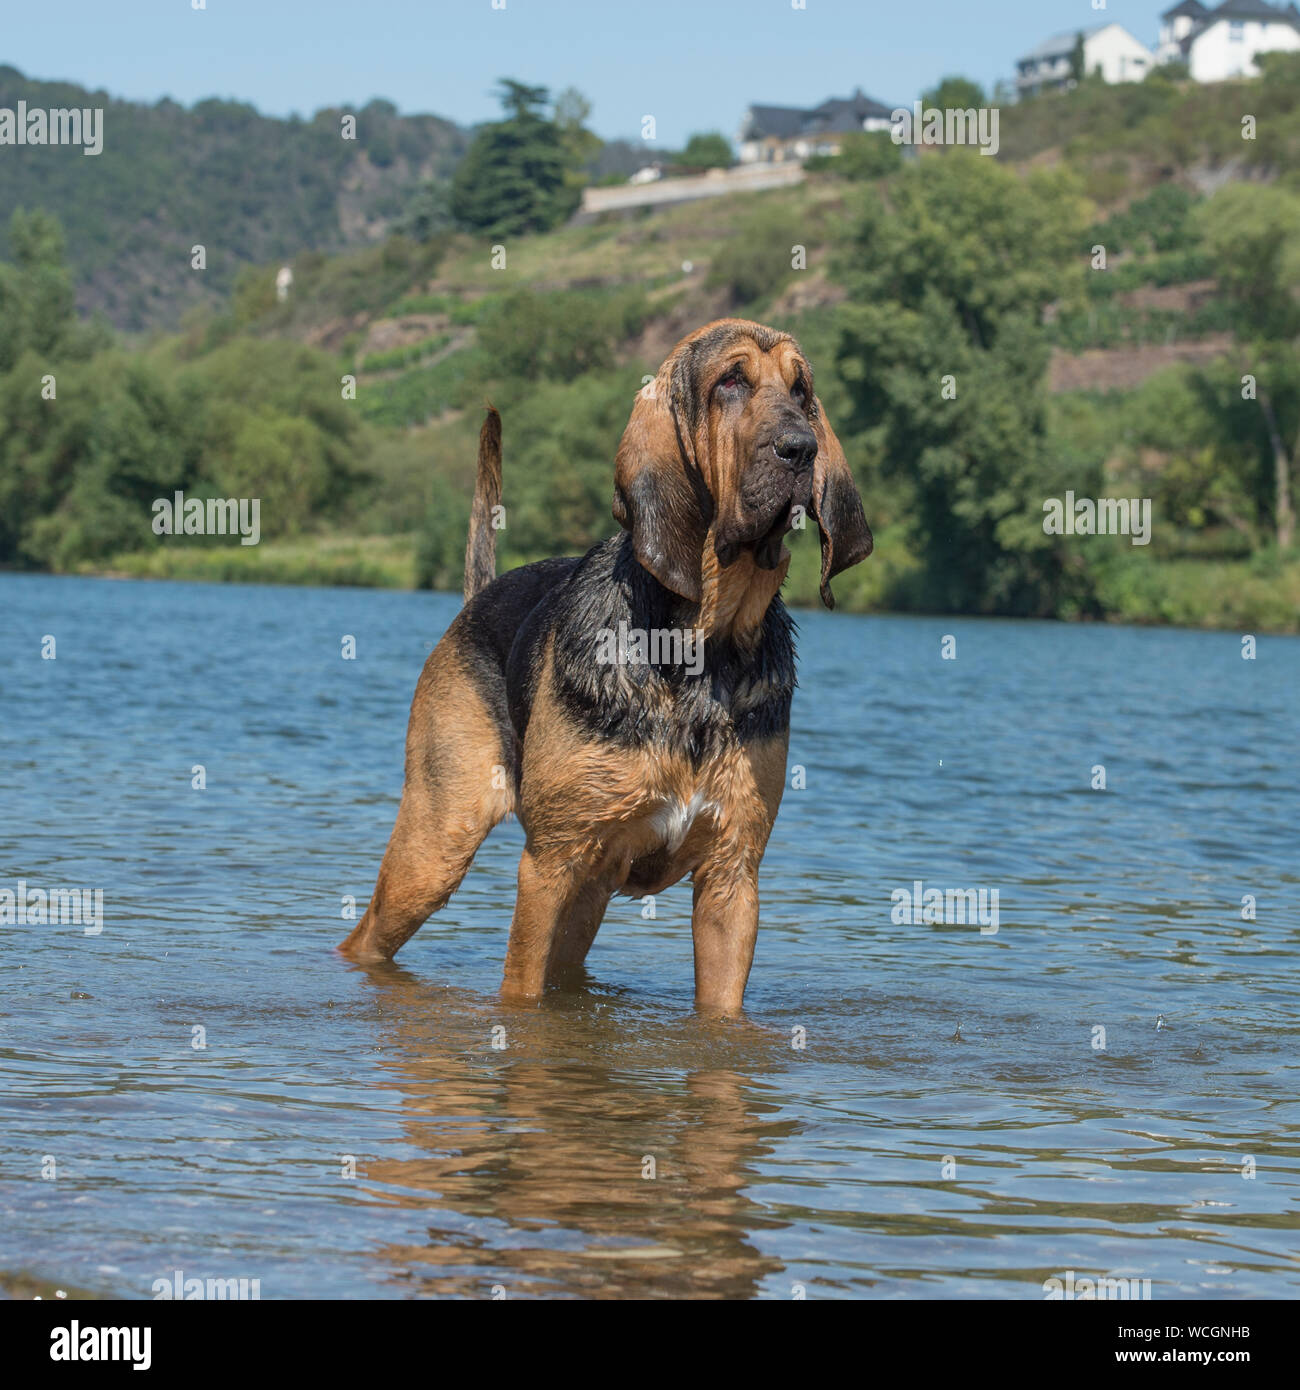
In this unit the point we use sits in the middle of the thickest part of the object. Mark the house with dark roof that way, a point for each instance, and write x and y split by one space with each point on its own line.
773 134
1222 41
1108 49
1176 26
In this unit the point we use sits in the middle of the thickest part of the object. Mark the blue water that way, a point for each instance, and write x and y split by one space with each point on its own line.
950 1127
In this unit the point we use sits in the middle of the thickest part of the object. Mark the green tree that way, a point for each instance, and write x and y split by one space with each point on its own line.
515 176
520 101
863 155
944 356
1252 232
77 479
37 300
1169 74
572 111
376 127
707 151
955 94
428 213
558 336
755 264
1189 442
1078 59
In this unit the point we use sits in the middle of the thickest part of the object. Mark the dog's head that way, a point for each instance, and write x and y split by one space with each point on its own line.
722 447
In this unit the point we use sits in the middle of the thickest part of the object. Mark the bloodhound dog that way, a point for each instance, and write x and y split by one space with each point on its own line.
631 706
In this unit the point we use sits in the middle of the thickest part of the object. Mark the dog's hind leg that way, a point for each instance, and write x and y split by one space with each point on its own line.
459 784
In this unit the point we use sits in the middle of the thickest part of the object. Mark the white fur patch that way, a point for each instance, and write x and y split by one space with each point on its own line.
674 818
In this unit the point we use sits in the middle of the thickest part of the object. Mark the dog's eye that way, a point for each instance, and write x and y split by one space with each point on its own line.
799 392
733 380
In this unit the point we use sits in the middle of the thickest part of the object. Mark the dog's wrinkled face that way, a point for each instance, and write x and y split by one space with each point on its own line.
758 456
723 448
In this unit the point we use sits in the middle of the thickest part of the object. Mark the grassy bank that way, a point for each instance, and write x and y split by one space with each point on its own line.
1259 594
366 562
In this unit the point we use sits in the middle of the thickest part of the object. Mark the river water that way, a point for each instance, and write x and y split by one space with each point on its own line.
1105 1084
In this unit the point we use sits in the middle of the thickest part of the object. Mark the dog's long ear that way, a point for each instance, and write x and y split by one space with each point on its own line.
846 537
659 492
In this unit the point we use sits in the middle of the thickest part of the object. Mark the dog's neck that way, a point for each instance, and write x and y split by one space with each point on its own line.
734 598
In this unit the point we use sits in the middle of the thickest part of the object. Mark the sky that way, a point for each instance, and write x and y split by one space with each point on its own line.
692 64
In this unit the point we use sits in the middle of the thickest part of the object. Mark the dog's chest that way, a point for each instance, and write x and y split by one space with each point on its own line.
628 676
684 810
669 835
672 819
700 718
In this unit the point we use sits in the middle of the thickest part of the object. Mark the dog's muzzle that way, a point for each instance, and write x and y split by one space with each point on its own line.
779 480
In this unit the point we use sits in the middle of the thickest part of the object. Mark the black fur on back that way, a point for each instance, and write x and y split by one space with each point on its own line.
742 693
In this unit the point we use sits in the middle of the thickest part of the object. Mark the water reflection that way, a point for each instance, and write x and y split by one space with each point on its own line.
566 1175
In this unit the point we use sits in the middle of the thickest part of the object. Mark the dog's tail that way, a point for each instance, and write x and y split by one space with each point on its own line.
481 548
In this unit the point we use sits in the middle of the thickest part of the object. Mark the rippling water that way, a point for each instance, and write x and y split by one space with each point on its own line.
950 1127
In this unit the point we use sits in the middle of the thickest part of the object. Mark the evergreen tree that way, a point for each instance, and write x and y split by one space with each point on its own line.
514 179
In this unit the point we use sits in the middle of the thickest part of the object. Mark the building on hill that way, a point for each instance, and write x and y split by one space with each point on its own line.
1176 28
771 134
1224 41
1108 49
1215 41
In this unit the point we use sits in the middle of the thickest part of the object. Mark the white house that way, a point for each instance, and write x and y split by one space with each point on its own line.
1176 28
1108 49
1223 41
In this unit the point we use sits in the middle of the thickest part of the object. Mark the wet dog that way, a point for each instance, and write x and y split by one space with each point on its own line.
554 694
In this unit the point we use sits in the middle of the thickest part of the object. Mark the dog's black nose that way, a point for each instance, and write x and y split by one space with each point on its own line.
798 448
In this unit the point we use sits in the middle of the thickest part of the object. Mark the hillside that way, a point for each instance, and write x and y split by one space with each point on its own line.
255 189
251 188
1117 383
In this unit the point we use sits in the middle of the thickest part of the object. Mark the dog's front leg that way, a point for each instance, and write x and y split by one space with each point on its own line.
724 924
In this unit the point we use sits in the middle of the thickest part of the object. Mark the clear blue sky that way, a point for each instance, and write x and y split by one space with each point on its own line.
693 64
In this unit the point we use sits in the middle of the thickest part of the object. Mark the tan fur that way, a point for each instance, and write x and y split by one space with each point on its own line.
450 801
590 817
735 598
723 453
